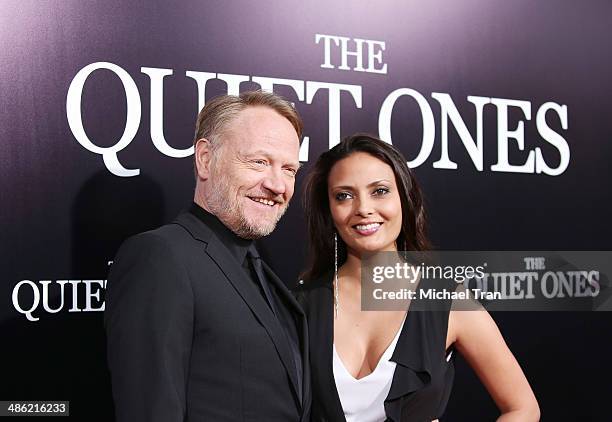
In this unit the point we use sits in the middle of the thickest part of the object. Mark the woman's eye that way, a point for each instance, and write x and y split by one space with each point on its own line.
381 191
341 196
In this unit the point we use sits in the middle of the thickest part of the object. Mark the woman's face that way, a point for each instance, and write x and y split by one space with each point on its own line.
365 203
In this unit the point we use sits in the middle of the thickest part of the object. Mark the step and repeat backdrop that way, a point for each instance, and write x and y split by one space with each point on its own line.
502 108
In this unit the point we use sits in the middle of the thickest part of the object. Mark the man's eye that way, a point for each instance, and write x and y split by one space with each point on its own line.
291 171
260 162
341 196
381 191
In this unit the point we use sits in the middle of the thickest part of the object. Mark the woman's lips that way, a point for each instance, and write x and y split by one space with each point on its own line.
367 229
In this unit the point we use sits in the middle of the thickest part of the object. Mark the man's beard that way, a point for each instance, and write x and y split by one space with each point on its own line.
231 212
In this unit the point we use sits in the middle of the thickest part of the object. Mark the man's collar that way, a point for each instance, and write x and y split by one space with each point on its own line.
236 245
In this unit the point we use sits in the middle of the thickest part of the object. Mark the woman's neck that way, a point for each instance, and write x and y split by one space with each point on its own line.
351 269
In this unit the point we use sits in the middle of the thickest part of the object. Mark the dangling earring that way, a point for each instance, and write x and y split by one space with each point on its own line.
336 285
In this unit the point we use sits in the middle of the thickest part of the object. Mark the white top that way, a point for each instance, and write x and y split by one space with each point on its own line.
363 399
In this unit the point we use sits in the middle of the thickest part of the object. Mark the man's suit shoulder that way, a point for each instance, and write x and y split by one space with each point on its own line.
170 233
153 242
158 255
146 253
172 237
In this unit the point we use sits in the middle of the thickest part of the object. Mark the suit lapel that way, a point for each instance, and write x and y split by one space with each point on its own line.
282 290
302 327
245 288
325 311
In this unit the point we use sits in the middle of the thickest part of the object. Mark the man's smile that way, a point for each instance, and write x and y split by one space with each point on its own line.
264 201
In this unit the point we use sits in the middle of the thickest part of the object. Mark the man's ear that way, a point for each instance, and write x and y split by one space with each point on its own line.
203 157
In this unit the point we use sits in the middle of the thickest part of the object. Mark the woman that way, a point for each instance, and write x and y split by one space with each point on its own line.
372 366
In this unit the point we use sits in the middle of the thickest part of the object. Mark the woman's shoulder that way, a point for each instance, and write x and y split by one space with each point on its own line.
323 281
309 289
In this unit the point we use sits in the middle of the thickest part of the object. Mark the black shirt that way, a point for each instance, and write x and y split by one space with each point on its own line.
236 245
239 248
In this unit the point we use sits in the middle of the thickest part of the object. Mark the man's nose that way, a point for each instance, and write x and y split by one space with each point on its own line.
274 182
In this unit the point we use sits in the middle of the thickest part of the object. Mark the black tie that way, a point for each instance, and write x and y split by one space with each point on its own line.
261 278
285 318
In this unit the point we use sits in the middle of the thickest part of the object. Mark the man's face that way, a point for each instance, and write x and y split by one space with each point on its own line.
253 173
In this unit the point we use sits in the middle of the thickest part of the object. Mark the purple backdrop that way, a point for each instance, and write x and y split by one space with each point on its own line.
64 212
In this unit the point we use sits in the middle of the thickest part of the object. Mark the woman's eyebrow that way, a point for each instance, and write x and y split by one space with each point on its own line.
377 182
346 187
374 183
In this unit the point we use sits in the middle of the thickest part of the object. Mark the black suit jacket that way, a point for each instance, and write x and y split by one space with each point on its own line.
190 337
423 377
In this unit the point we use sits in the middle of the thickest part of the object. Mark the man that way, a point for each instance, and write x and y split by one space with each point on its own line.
198 327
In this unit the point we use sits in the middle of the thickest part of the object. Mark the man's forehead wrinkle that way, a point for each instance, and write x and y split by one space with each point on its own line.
251 116
235 138
263 144
236 128
245 137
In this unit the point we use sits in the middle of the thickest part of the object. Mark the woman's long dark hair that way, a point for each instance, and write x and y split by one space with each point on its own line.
318 215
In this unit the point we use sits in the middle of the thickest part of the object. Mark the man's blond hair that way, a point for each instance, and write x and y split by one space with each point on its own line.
220 111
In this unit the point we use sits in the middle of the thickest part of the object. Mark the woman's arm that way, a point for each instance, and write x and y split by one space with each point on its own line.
477 338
